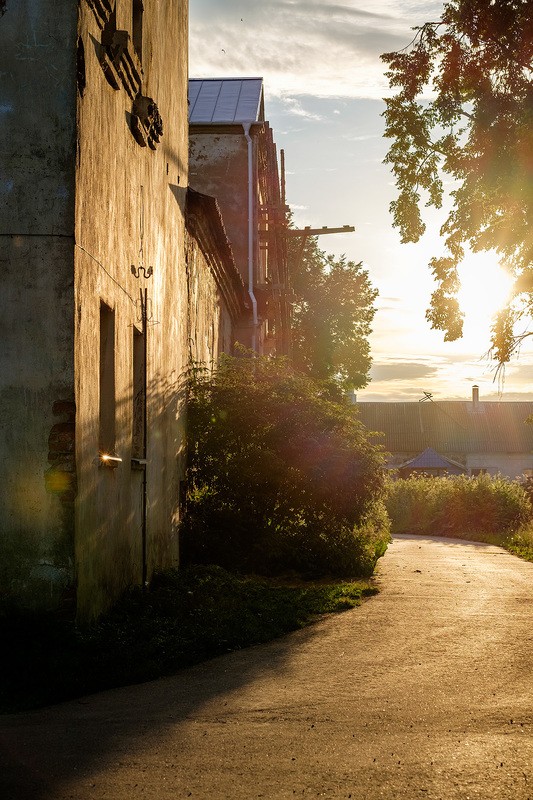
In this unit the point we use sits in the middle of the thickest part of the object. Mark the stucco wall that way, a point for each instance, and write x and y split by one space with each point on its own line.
130 209
37 156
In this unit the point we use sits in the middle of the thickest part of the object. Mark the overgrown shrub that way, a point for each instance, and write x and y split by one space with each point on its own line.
281 474
483 505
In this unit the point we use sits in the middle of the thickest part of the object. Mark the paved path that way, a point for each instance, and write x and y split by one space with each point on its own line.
424 692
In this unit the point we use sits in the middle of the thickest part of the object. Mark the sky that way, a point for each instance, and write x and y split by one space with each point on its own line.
324 86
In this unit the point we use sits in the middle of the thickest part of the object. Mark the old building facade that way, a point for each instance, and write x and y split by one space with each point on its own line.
94 312
233 157
474 436
218 303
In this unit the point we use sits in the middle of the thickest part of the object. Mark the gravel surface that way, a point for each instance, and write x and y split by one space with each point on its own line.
426 691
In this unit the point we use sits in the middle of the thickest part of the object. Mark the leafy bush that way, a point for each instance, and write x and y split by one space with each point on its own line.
457 505
281 474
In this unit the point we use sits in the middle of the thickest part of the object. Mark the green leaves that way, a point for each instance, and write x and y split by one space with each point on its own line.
285 478
464 108
332 316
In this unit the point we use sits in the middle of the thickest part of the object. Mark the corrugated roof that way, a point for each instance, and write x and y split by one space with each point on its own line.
451 426
225 101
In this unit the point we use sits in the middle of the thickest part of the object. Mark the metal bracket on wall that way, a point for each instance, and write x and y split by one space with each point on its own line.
137 271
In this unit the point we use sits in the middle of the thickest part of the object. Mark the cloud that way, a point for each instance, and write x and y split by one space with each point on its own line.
350 137
323 8
302 46
401 371
294 106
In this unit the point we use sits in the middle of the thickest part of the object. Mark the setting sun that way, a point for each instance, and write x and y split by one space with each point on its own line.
485 288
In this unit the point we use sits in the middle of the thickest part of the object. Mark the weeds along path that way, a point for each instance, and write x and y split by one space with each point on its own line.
424 692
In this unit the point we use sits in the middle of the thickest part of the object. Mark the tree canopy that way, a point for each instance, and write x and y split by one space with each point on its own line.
464 111
332 315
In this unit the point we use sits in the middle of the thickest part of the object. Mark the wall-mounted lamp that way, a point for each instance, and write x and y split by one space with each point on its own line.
112 462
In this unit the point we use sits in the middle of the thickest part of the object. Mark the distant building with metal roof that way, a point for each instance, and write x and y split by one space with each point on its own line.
226 101
431 463
492 437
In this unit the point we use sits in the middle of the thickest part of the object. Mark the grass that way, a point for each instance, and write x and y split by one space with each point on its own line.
521 544
186 617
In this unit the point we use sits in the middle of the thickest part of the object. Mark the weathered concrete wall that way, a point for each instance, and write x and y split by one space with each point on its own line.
37 117
219 167
218 157
210 324
218 301
37 160
81 201
130 211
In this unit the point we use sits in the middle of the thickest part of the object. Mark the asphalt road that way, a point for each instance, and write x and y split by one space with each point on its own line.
426 691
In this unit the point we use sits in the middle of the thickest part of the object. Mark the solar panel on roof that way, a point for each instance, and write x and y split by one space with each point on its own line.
206 100
249 100
227 100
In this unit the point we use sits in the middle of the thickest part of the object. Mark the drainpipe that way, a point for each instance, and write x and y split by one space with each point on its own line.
246 127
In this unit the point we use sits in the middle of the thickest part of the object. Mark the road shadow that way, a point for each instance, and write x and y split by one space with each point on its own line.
42 751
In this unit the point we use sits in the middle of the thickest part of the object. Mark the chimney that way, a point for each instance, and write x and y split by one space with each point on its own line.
475 398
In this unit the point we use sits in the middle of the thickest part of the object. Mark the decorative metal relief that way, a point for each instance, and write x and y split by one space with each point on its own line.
119 61
122 69
146 122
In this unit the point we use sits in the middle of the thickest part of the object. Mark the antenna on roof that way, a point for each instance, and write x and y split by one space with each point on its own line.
427 396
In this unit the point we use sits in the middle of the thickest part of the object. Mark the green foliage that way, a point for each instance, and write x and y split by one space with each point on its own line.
462 506
186 616
281 475
332 315
475 66
521 543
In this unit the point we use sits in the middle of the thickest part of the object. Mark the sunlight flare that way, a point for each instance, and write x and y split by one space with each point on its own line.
485 289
